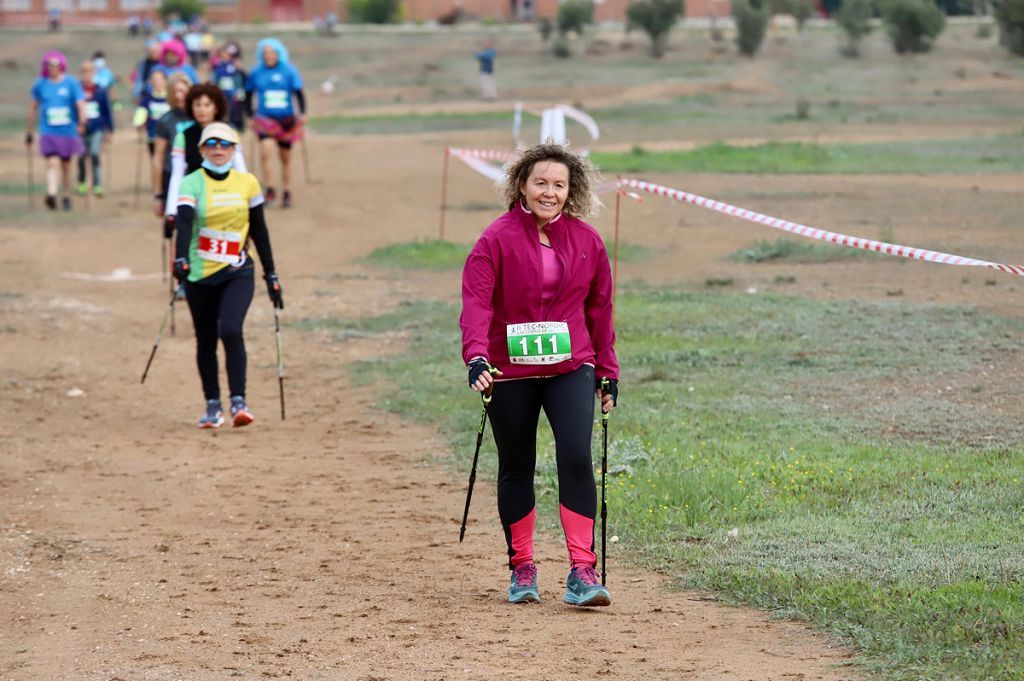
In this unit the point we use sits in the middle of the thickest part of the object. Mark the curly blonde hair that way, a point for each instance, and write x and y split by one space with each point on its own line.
581 201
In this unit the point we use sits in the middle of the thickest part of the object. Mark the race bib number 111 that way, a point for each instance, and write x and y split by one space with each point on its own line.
538 342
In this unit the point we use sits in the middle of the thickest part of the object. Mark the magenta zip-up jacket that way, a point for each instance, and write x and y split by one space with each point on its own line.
502 284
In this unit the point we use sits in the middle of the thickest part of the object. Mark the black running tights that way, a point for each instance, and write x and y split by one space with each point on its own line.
218 311
568 402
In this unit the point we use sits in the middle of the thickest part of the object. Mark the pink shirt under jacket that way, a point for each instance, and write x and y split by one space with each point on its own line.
502 284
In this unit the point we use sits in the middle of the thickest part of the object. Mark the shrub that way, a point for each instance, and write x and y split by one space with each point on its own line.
751 18
574 15
802 11
1010 15
560 47
656 18
912 25
854 17
186 9
375 11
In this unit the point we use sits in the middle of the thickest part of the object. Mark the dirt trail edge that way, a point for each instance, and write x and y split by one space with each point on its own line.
136 547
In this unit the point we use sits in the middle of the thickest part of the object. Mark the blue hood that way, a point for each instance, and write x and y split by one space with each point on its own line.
274 44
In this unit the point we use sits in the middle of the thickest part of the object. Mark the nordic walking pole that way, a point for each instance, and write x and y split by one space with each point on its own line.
108 150
174 296
31 174
486 399
138 164
280 359
305 159
152 354
604 475
444 194
164 262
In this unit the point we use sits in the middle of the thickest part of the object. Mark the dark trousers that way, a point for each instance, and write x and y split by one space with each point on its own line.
218 311
568 403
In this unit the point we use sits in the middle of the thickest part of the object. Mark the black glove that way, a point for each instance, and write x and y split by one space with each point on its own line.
28 139
168 226
477 368
609 386
181 269
274 290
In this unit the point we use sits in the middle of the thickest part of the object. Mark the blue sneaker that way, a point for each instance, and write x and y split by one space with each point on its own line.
213 417
583 587
523 588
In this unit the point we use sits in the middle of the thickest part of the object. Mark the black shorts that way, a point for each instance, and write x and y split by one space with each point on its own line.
281 144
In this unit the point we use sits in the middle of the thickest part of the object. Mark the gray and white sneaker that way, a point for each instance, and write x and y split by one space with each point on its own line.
214 416
240 414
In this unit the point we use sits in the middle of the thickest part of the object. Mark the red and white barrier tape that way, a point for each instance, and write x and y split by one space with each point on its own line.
819 234
474 159
488 154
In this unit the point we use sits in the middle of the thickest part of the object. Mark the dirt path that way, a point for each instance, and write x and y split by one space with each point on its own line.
324 547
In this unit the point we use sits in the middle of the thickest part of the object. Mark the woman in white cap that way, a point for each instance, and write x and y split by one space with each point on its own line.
219 213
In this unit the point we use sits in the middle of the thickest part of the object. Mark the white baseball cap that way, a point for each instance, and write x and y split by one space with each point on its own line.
220 131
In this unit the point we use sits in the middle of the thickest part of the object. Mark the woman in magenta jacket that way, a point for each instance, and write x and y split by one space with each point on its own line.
537 330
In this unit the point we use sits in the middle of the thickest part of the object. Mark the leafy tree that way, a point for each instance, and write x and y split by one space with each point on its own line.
574 15
656 18
375 11
854 17
751 18
912 25
1010 15
186 9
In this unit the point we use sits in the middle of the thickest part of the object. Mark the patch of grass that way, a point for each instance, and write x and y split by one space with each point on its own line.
789 250
21 188
823 432
432 254
628 252
1003 153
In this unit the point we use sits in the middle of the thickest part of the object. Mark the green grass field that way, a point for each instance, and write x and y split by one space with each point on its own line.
867 498
1000 154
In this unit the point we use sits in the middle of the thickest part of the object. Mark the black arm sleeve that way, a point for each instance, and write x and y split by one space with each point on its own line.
301 97
183 223
260 236
248 103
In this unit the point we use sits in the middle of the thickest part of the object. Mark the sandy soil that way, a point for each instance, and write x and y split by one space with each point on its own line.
325 546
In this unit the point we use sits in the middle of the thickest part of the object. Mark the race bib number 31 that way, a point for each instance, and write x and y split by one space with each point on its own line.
219 246
538 342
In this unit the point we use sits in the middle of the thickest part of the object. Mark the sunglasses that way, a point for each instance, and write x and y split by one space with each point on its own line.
53 62
213 143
